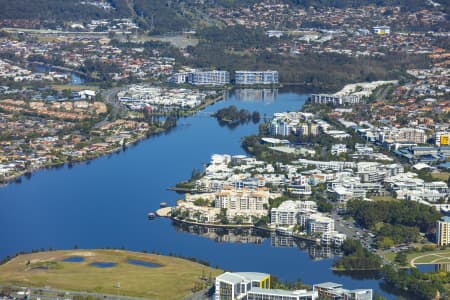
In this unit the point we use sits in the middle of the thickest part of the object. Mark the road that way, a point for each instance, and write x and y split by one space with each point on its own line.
353 231
48 293
110 97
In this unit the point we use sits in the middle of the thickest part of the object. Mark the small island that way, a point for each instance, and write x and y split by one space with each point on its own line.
232 117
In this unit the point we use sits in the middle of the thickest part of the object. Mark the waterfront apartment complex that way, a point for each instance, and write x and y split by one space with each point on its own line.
287 123
256 77
288 213
334 99
443 231
243 200
214 77
256 286
209 78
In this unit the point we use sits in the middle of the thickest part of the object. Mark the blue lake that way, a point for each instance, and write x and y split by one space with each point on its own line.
74 259
104 203
102 264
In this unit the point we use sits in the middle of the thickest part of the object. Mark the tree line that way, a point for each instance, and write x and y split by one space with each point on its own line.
356 257
403 212
51 10
394 222
237 48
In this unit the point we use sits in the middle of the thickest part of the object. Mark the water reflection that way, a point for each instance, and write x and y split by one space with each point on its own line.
428 268
224 235
360 275
257 95
256 236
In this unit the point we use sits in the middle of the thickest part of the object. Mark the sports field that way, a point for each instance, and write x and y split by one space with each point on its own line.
433 257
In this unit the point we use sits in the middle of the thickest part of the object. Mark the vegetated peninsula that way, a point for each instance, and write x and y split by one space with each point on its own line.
115 272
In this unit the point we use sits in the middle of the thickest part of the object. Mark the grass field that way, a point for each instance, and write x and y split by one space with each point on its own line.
173 279
76 88
441 175
431 257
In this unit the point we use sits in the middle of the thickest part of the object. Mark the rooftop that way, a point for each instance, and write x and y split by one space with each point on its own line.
328 285
241 276
277 292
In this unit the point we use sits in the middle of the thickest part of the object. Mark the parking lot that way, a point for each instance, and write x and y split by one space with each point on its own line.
354 231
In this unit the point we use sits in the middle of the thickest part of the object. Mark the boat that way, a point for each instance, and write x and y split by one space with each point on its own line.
151 215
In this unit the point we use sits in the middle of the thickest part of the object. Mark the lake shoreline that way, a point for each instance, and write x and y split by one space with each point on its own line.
18 176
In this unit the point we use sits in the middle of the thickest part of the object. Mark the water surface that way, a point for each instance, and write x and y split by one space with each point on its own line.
104 203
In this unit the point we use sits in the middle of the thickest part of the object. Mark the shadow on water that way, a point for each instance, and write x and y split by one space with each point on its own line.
360 275
142 263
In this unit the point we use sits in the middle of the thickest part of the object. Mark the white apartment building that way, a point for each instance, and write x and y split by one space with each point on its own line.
333 238
443 231
209 78
243 200
256 77
288 212
318 223
333 165
338 149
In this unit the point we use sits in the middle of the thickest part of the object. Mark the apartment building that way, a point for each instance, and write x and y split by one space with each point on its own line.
334 99
256 77
288 212
318 223
243 200
443 231
209 78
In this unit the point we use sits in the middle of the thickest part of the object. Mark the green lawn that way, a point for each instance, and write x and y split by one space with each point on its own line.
75 88
174 279
437 256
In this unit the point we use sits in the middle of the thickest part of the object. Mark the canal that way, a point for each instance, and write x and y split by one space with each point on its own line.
104 203
74 78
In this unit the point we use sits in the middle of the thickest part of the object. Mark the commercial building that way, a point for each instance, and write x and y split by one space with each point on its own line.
256 77
441 138
335 291
443 231
230 286
256 286
275 294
